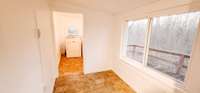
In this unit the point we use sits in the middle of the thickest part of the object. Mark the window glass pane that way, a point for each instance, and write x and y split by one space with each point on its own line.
136 39
171 43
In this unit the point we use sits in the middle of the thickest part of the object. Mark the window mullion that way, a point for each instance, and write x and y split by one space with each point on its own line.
147 41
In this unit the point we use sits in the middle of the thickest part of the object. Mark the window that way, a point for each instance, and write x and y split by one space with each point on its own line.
169 43
136 39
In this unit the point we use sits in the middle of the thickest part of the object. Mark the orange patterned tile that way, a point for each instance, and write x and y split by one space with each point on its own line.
70 66
101 82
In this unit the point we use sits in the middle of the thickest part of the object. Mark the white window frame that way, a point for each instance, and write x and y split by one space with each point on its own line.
143 67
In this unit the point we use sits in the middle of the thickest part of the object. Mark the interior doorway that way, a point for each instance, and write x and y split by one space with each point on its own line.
68 30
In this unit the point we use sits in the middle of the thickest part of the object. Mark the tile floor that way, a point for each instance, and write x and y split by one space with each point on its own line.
72 80
69 66
101 82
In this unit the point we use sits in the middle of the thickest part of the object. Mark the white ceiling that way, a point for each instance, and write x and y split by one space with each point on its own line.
112 6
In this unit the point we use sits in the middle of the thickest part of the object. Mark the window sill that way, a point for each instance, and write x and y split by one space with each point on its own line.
158 76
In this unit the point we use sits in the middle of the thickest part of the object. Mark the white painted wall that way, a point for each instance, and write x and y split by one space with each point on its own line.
22 69
97 42
139 80
96 36
57 42
62 22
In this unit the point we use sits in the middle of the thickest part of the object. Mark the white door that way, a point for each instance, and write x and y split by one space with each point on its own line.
19 56
46 45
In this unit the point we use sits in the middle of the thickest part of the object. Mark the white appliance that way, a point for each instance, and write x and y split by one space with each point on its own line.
73 47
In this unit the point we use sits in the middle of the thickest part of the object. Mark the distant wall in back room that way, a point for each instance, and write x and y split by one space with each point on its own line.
62 23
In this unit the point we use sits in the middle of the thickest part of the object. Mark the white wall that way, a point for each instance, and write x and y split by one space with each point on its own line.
139 80
57 42
62 22
97 42
22 69
96 36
